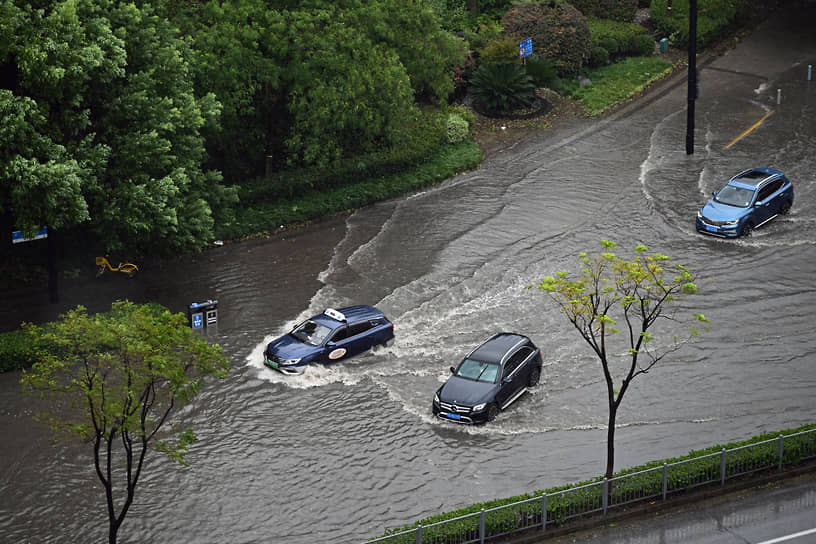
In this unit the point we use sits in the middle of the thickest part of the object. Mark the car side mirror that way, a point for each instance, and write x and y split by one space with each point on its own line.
453 370
331 345
713 193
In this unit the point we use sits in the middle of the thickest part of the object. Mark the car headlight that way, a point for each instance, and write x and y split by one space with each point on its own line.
479 407
290 362
699 215
436 398
732 222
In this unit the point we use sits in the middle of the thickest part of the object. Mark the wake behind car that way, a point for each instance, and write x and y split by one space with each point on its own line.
749 200
489 379
334 335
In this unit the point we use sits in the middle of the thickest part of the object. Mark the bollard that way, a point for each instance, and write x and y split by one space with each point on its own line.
503 128
810 69
779 96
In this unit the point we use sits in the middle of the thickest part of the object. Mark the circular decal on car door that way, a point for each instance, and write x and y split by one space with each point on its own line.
337 353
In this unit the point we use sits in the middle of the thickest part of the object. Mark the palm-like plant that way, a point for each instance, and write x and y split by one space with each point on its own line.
502 87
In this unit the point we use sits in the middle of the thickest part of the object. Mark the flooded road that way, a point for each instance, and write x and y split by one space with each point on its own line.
343 452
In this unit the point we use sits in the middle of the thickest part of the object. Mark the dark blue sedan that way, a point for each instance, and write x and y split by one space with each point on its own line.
749 200
332 336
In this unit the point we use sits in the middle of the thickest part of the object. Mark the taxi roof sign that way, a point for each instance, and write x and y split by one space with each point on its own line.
334 314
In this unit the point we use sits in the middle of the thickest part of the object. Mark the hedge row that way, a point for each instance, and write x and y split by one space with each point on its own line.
263 216
420 140
650 484
621 38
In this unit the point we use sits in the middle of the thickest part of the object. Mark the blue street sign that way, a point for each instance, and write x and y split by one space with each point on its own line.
17 236
526 48
198 320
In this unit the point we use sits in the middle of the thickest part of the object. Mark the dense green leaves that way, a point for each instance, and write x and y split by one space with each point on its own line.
119 118
499 88
101 123
114 380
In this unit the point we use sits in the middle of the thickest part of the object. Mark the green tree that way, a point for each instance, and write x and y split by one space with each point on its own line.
305 83
101 124
154 193
48 154
613 303
113 380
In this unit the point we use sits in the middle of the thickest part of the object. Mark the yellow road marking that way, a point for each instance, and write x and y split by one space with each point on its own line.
755 125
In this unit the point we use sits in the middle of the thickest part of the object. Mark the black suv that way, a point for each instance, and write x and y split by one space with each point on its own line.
489 379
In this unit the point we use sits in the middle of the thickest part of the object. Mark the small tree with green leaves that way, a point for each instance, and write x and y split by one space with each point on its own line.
613 303
113 380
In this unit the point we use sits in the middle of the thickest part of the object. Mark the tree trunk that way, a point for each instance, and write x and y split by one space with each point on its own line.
610 441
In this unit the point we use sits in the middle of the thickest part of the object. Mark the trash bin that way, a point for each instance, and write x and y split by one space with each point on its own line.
664 45
203 314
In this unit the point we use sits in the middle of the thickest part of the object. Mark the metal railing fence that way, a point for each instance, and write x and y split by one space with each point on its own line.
645 485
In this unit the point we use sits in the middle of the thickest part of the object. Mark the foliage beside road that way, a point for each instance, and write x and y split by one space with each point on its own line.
575 503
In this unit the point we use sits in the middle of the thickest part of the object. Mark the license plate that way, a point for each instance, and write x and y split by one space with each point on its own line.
457 417
711 229
273 364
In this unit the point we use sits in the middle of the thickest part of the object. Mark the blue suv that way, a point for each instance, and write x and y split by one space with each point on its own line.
332 336
749 200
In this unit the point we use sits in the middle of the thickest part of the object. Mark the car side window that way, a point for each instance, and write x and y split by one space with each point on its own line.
769 189
358 328
340 334
515 360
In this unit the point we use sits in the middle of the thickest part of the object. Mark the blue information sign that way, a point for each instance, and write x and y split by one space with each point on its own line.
198 320
526 48
17 236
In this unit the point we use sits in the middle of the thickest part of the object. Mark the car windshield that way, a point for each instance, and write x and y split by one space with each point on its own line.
478 370
311 332
735 196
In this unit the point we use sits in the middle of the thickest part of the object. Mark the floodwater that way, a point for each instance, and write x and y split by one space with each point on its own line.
344 452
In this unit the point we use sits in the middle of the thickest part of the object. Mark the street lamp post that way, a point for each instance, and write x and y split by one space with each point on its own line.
692 76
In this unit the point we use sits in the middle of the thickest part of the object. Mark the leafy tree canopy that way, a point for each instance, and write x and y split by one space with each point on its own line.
113 380
105 125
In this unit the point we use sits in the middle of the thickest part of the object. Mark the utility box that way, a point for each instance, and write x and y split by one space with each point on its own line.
664 45
203 314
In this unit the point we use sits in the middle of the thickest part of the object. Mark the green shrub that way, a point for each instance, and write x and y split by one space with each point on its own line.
452 16
616 10
500 88
713 16
483 30
610 43
464 113
598 57
421 138
619 38
558 31
457 129
642 45
543 72
15 351
265 215
501 50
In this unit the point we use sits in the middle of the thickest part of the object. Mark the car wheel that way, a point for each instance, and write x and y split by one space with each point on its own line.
785 208
492 411
535 374
747 230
